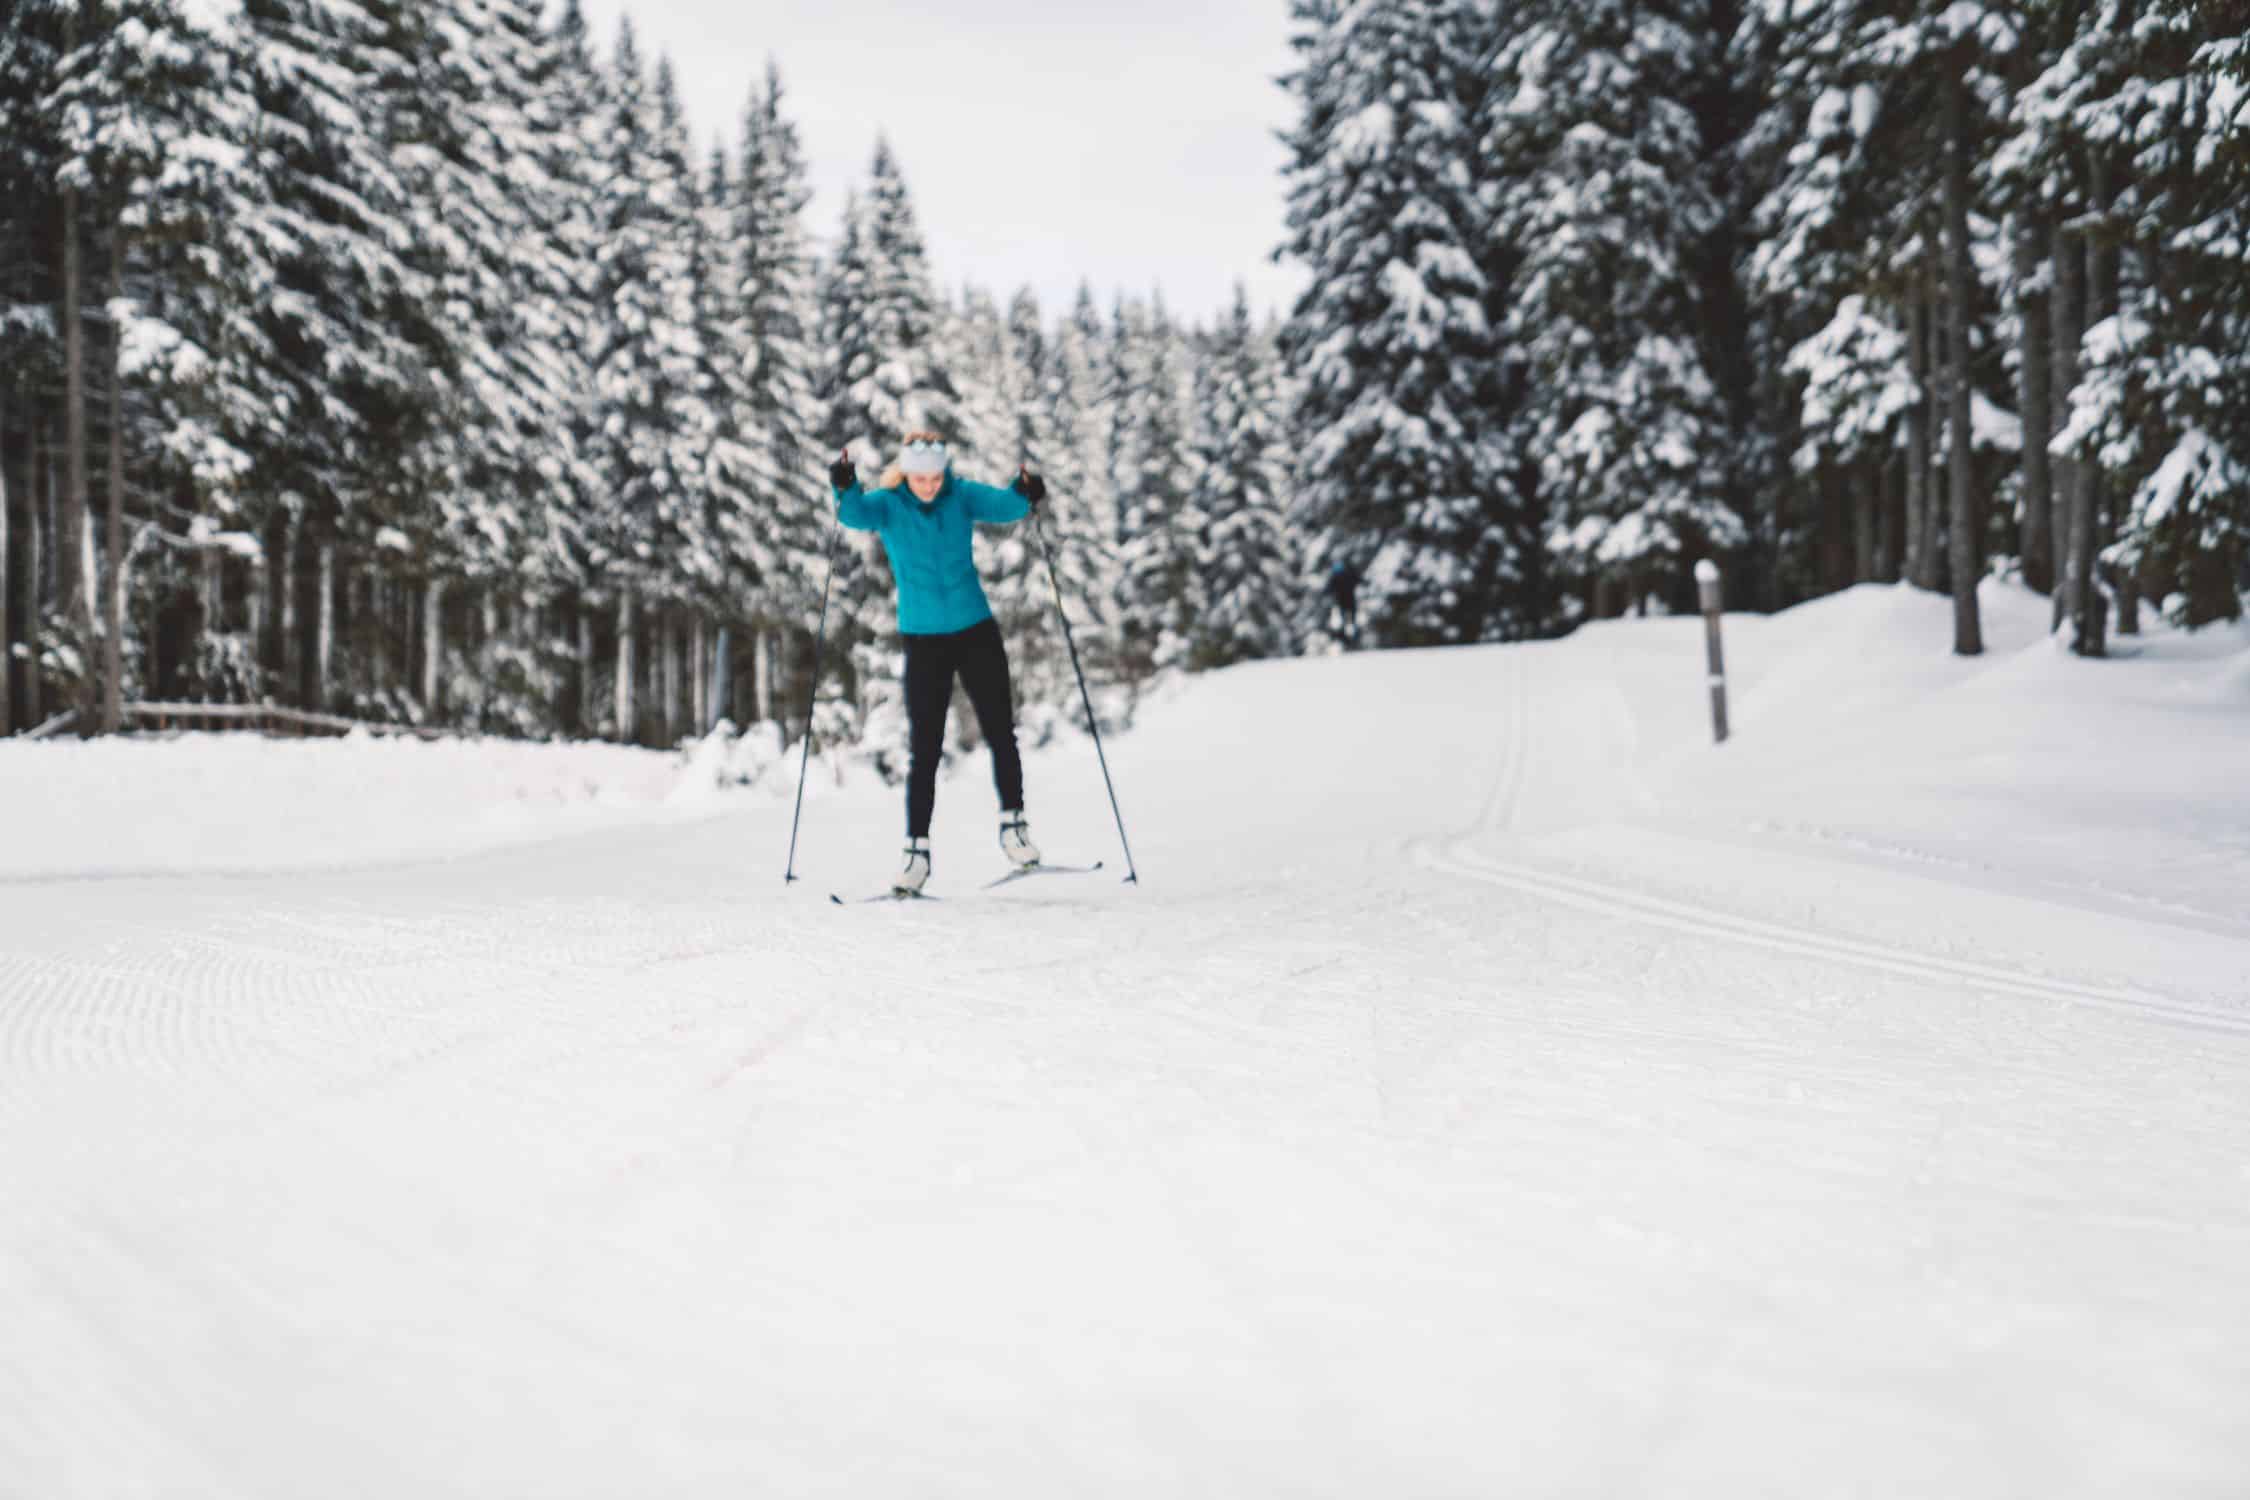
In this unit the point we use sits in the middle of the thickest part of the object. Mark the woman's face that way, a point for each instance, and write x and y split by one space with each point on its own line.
925 486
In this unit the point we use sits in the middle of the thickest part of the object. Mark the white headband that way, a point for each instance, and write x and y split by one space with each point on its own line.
922 458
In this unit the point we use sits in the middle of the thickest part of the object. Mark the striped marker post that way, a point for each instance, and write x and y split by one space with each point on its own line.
1707 585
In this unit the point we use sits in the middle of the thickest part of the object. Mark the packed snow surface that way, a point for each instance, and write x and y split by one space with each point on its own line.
1491 1088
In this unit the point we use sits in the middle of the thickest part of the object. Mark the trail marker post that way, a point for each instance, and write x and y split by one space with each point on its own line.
1707 585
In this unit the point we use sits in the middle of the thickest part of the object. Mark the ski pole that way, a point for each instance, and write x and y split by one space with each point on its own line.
812 698
1133 876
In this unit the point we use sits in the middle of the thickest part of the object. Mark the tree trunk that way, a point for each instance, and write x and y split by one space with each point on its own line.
34 596
488 653
663 685
2035 374
583 720
1918 496
291 531
304 608
2102 292
273 638
254 603
375 630
1827 531
1968 547
325 646
214 584
433 646
1936 509
700 654
676 677
7 570
772 643
625 667
113 640
683 709
1886 521
2069 319
74 545
1867 507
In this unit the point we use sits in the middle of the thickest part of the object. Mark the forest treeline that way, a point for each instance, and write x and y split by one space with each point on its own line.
415 361
1828 291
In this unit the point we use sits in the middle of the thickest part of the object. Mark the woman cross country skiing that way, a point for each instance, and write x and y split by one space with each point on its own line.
926 517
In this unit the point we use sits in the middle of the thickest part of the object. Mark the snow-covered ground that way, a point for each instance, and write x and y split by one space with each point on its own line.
1491 1089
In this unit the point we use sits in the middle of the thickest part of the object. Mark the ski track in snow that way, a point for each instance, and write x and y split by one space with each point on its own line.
1412 1160
1462 856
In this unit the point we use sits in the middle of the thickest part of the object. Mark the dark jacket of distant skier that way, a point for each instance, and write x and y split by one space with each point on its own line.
926 516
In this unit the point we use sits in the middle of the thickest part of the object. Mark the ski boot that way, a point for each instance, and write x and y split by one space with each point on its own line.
1015 841
916 872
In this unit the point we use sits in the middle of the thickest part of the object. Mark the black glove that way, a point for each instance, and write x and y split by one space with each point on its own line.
841 474
1029 485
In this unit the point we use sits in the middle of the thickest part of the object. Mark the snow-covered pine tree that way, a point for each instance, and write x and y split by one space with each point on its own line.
1003 377
574 97
1045 682
1075 402
1888 112
1033 352
151 109
338 329
775 291
1605 204
909 386
734 533
1248 572
653 424
489 219
1408 474
487 537
2158 419
1837 394
31 347
78 34
1078 397
846 355
847 361
974 350
1157 587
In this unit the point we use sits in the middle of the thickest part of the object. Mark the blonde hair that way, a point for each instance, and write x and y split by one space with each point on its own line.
893 475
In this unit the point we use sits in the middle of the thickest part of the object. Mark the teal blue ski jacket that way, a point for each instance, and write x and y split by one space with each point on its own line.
930 547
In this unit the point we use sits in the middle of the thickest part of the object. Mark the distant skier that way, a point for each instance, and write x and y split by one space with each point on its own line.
926 517
1343 588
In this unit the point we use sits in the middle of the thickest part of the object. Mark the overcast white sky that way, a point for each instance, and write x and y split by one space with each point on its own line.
1044 141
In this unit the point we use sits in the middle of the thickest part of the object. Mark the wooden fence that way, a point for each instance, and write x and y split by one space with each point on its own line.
269 717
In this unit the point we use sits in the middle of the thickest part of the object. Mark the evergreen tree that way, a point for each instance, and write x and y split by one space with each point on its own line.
1248 575
977 353
735 527
1074 401
473 119
2156 420
847 355
1077 396
1398 370
653 425
909 387
1605 204
773 282
1157 587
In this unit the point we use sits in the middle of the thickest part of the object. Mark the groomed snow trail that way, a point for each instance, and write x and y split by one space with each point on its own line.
1422 1126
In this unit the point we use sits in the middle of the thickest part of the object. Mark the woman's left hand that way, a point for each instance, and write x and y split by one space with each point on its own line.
1029 485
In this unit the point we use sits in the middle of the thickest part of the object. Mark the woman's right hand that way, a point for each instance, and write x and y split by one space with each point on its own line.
841 474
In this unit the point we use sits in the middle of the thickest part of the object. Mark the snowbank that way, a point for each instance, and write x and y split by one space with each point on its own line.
1854 727
235 803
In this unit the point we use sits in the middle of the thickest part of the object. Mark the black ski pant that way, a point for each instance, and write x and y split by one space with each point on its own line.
981 658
